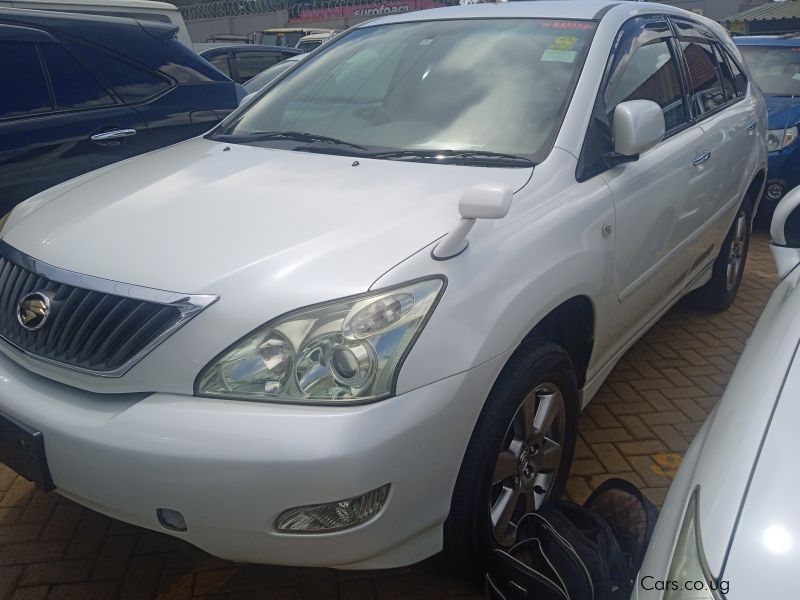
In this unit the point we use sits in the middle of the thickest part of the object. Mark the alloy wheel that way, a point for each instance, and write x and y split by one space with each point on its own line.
736 251
528 461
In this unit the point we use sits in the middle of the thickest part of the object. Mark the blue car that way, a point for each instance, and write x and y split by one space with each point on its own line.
774 62
80 92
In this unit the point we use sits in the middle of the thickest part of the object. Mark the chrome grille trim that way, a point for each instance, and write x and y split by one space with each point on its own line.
106 290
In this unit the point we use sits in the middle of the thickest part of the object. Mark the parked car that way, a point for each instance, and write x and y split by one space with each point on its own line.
774 62
242 62
729 527
284 36
357 320
143 10
82 92
315 40
258 82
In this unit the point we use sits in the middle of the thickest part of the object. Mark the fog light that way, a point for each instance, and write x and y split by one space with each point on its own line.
335 516
171 519
774 191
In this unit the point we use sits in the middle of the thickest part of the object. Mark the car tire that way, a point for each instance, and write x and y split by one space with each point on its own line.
726 277
512 459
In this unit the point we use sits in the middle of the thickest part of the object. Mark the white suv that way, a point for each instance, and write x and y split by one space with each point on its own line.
280 341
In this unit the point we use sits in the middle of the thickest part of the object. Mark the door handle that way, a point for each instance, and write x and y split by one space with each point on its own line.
116 134
701 158
752 125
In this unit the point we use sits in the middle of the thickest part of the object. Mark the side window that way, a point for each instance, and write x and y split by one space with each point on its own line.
725 73
221 62
24 85
73 85
705 85
651 74
132 84
251 64
739 78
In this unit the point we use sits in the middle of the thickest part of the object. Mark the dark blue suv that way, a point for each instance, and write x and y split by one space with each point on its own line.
774 62
80 92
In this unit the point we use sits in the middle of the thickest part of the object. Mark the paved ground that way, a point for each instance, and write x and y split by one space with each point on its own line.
637 427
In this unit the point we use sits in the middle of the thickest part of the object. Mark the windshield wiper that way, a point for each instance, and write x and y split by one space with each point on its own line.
296 136
473 157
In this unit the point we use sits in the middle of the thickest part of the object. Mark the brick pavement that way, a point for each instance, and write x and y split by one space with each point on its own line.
638 426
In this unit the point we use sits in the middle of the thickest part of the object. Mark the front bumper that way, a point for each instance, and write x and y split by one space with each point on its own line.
232 467
783 169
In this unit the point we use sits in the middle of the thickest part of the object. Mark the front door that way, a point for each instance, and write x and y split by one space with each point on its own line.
658 211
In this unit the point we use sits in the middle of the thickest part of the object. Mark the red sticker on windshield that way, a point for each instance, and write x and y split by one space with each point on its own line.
581 25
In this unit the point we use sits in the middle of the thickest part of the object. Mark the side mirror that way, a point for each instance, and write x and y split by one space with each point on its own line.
638 126
481 201
785 232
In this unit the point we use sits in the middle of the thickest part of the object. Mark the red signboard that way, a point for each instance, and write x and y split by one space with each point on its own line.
370 9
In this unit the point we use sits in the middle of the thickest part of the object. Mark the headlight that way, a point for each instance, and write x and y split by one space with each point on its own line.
343 351
689 574
777 139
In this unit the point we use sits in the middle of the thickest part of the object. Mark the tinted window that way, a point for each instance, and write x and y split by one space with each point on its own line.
133 84
221 62
705 86
73 85
739 79
725 73
651 75
24 86
776 69
251 64
431 85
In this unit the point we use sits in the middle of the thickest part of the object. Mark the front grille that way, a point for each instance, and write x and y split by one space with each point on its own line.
86 329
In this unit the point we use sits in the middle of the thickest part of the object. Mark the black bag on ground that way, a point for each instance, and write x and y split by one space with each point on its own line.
630 514
570 552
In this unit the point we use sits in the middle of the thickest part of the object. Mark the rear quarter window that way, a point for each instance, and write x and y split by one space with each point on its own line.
132 83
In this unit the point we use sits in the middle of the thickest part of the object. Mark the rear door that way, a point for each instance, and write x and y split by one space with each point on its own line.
57 120
716 92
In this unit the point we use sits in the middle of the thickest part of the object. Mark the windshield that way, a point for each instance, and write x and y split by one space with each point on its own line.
267 75
281 39
776 69
479 85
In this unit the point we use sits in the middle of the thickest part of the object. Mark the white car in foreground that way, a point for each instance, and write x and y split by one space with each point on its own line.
357 320
730 526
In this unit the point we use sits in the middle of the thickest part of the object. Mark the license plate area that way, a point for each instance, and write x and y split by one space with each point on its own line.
22 449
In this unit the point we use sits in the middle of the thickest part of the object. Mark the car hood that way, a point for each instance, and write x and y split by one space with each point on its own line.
782 111
206 217
766 543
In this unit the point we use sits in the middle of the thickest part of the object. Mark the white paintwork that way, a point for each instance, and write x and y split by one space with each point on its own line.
270 231
139 9
481 201
759 553
638 126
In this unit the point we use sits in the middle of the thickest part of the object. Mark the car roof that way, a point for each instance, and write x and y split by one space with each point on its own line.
547 9
293 29
79 23
250 47
151 5
792 39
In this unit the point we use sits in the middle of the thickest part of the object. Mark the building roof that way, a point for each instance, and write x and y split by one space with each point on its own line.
788 9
